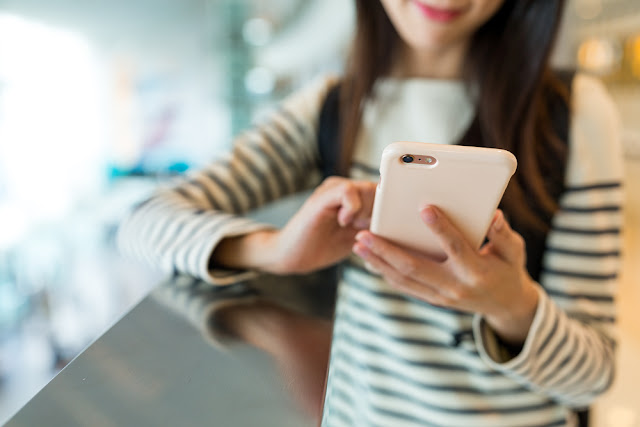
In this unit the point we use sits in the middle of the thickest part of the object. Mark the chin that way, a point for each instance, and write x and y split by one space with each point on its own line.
432 41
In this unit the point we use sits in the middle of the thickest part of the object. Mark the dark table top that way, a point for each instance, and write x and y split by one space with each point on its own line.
153 368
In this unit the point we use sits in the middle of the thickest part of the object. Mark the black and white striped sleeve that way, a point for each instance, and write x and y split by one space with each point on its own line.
569 352
178 228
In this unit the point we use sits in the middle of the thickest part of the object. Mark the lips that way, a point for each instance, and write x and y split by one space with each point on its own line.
438 14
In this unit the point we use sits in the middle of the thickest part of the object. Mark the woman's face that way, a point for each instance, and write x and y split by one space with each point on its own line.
434 25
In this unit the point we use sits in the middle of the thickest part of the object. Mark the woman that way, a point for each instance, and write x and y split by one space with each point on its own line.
518 333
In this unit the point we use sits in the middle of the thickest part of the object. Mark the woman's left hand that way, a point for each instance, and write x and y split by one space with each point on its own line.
492 281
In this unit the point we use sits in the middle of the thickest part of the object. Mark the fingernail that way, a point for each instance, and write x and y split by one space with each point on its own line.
361 223
365 239
429 215
371 268
360 250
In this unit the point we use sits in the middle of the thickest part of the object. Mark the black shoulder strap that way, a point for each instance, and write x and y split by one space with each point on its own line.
329 150
329 133
559 110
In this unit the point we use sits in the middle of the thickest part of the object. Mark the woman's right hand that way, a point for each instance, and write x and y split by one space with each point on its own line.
320 234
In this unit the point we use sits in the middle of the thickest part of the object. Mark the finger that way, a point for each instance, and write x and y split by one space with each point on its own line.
349 204
410 264
448 236
336 193
423 291
357 204
360 223
354 200
367 191
505 242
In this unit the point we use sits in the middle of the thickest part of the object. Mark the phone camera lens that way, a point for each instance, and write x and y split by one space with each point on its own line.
407 158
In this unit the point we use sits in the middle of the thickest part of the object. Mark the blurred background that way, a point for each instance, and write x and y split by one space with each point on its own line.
101 101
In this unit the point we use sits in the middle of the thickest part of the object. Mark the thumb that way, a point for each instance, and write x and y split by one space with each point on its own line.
367 191
505 242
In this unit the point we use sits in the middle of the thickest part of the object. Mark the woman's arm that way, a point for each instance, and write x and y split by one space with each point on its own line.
178 228
572 343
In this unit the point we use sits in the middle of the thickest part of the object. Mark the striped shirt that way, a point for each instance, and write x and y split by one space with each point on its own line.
396 360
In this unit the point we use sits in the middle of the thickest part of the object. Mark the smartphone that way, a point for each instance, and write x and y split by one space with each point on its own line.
466 183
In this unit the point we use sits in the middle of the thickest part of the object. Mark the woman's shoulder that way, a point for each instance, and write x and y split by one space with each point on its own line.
590 98
595 152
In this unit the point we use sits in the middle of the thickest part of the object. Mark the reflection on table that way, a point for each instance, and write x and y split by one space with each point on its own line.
153 367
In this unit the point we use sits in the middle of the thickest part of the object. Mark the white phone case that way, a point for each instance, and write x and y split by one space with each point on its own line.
466 183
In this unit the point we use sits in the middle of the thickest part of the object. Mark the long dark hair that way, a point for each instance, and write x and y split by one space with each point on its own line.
507 66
